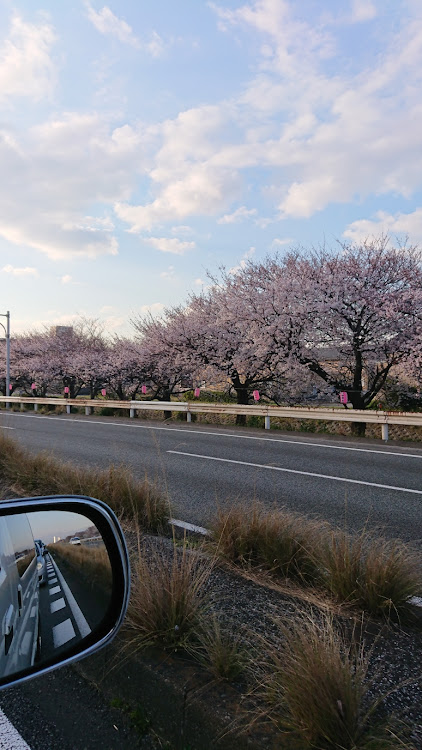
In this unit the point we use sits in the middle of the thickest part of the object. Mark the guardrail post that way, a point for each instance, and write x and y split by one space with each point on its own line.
22 407
67 408
35 407
384 432
188 416
87 411
267 423
132 413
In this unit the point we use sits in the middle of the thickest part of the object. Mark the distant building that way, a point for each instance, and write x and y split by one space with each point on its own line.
62 330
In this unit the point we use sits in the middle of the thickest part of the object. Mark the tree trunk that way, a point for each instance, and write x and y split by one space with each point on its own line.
358 429
166 397
242 399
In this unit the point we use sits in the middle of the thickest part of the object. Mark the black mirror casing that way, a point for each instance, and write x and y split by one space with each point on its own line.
105 521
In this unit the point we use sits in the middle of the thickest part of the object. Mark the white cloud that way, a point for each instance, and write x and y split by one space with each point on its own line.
249 253
107 23
240 214
199 282
66 279
409 225
202 191
170 245
277 242
182 229
14 271
155 46
363 10
26 67
59 170
190 176
169 274
156 308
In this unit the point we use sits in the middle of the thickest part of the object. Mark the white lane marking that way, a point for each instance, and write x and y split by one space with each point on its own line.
26 643
189 526
2 426
63 632
10 738
52 579
33 611
296 471
80 620
57 605
55 590
230 435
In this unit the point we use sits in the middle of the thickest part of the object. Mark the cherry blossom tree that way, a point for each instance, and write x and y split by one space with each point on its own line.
217 337
352 315
163 359
125 373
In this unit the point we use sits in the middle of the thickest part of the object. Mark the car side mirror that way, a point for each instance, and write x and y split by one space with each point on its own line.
64 582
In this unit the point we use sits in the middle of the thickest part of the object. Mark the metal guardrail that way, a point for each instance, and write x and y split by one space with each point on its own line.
383 418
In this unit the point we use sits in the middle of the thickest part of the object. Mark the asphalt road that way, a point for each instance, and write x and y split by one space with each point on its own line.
352 483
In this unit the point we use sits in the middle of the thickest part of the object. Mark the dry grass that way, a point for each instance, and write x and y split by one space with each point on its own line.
92 563
42 474
374 574
168 600
280 541
378 575
220 649
316 686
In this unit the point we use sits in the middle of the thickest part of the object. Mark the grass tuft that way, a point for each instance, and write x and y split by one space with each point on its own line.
42 474
280 541
316 689
220 649
168 600
378 575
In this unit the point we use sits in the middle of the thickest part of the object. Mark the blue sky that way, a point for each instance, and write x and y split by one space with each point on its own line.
143 144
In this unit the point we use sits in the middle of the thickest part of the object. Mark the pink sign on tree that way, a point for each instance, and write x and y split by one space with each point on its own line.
66 389
144 389
256 395
343 397
196 392
103 391
10 386
33 386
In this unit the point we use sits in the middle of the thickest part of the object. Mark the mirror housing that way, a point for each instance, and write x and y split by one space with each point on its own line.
42 566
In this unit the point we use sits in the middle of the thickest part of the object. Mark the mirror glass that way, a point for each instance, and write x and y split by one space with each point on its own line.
55 586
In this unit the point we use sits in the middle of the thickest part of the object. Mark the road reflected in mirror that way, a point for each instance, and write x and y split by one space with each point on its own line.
55 586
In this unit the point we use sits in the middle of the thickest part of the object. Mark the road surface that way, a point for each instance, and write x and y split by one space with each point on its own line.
352 483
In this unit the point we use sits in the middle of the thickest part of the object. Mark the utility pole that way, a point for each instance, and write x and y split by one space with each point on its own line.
7 332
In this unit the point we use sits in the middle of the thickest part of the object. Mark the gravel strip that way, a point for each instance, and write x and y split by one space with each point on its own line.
252 609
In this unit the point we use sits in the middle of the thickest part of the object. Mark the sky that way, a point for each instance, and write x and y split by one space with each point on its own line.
145 144
47 524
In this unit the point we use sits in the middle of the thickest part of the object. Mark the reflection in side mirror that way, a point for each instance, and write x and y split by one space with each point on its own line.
64 582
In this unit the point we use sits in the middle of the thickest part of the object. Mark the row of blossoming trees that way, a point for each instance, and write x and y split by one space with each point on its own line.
341 320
